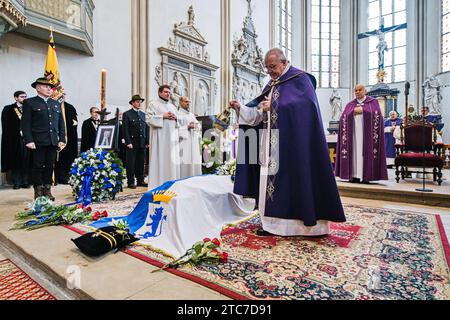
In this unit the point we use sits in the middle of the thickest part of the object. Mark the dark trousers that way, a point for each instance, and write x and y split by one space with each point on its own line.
43 162
135 165
62 171
22 174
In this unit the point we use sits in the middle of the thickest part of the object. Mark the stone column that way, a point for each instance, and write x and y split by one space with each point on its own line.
225 59
140 48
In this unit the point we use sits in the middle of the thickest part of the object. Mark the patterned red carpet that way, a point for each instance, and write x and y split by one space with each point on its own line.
378 254
17 285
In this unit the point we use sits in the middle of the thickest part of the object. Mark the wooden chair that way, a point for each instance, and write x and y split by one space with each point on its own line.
419 149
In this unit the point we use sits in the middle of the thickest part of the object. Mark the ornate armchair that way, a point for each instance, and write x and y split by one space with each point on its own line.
419 149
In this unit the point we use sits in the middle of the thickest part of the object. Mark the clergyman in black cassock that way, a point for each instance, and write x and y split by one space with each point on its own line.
89 130
67 156
15 156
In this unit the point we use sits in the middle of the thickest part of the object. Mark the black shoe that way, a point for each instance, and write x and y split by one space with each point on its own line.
263 233
142 184
365 182
132 186
38 192
16 187
25 186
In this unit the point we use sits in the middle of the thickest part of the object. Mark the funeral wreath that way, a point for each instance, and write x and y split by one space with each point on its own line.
96 176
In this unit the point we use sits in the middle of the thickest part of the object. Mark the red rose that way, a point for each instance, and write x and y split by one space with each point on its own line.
88 209
224 257
206 240
95 217
104 214
216 242
215 252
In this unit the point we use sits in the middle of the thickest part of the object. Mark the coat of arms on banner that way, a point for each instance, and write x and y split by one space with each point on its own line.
157 216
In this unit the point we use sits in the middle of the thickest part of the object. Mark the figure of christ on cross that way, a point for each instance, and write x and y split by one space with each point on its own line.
382 46
103 114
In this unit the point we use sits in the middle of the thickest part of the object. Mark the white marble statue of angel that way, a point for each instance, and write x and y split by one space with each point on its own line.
336 105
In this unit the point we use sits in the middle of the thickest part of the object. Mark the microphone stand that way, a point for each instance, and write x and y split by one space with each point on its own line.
423 189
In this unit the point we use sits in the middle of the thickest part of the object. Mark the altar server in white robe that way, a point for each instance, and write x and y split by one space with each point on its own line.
190 135
162 117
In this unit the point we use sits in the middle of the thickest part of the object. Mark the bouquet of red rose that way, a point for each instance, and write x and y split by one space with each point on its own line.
205 251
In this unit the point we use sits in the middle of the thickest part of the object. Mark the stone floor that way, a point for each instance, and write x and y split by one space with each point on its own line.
49 257
408 184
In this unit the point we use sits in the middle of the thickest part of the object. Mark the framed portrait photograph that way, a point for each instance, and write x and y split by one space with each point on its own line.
105 137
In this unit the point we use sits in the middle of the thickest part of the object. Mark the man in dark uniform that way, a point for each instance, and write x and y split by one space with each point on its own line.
135 132
89 130
67 156
15 156
44 133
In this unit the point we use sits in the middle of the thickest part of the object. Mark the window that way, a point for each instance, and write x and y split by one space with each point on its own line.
285 27
325 37
445 35
394 13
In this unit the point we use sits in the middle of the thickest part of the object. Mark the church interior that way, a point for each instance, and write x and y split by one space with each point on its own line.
394 241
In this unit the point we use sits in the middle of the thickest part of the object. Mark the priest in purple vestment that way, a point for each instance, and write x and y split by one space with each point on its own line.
298 194
361 153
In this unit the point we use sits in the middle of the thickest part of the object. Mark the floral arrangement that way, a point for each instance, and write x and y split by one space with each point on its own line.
205 251
44 213
96 176
120 224
227 169
210 152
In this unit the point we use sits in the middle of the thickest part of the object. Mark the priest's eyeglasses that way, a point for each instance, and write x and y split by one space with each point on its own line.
271 67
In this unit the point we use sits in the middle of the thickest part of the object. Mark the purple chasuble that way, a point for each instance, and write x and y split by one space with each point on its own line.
374 152
304 187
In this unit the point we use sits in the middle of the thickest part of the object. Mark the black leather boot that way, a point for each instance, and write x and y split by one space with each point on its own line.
48 192
38 192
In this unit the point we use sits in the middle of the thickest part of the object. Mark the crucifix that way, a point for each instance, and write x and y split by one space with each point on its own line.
382 44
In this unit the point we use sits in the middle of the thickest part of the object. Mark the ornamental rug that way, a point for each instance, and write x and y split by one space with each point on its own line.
17 285
378 254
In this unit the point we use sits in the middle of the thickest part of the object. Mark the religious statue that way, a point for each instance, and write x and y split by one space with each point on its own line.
158 75
191 14
178 89
171 44
201 100
206 57
433 96
250 10
336 105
